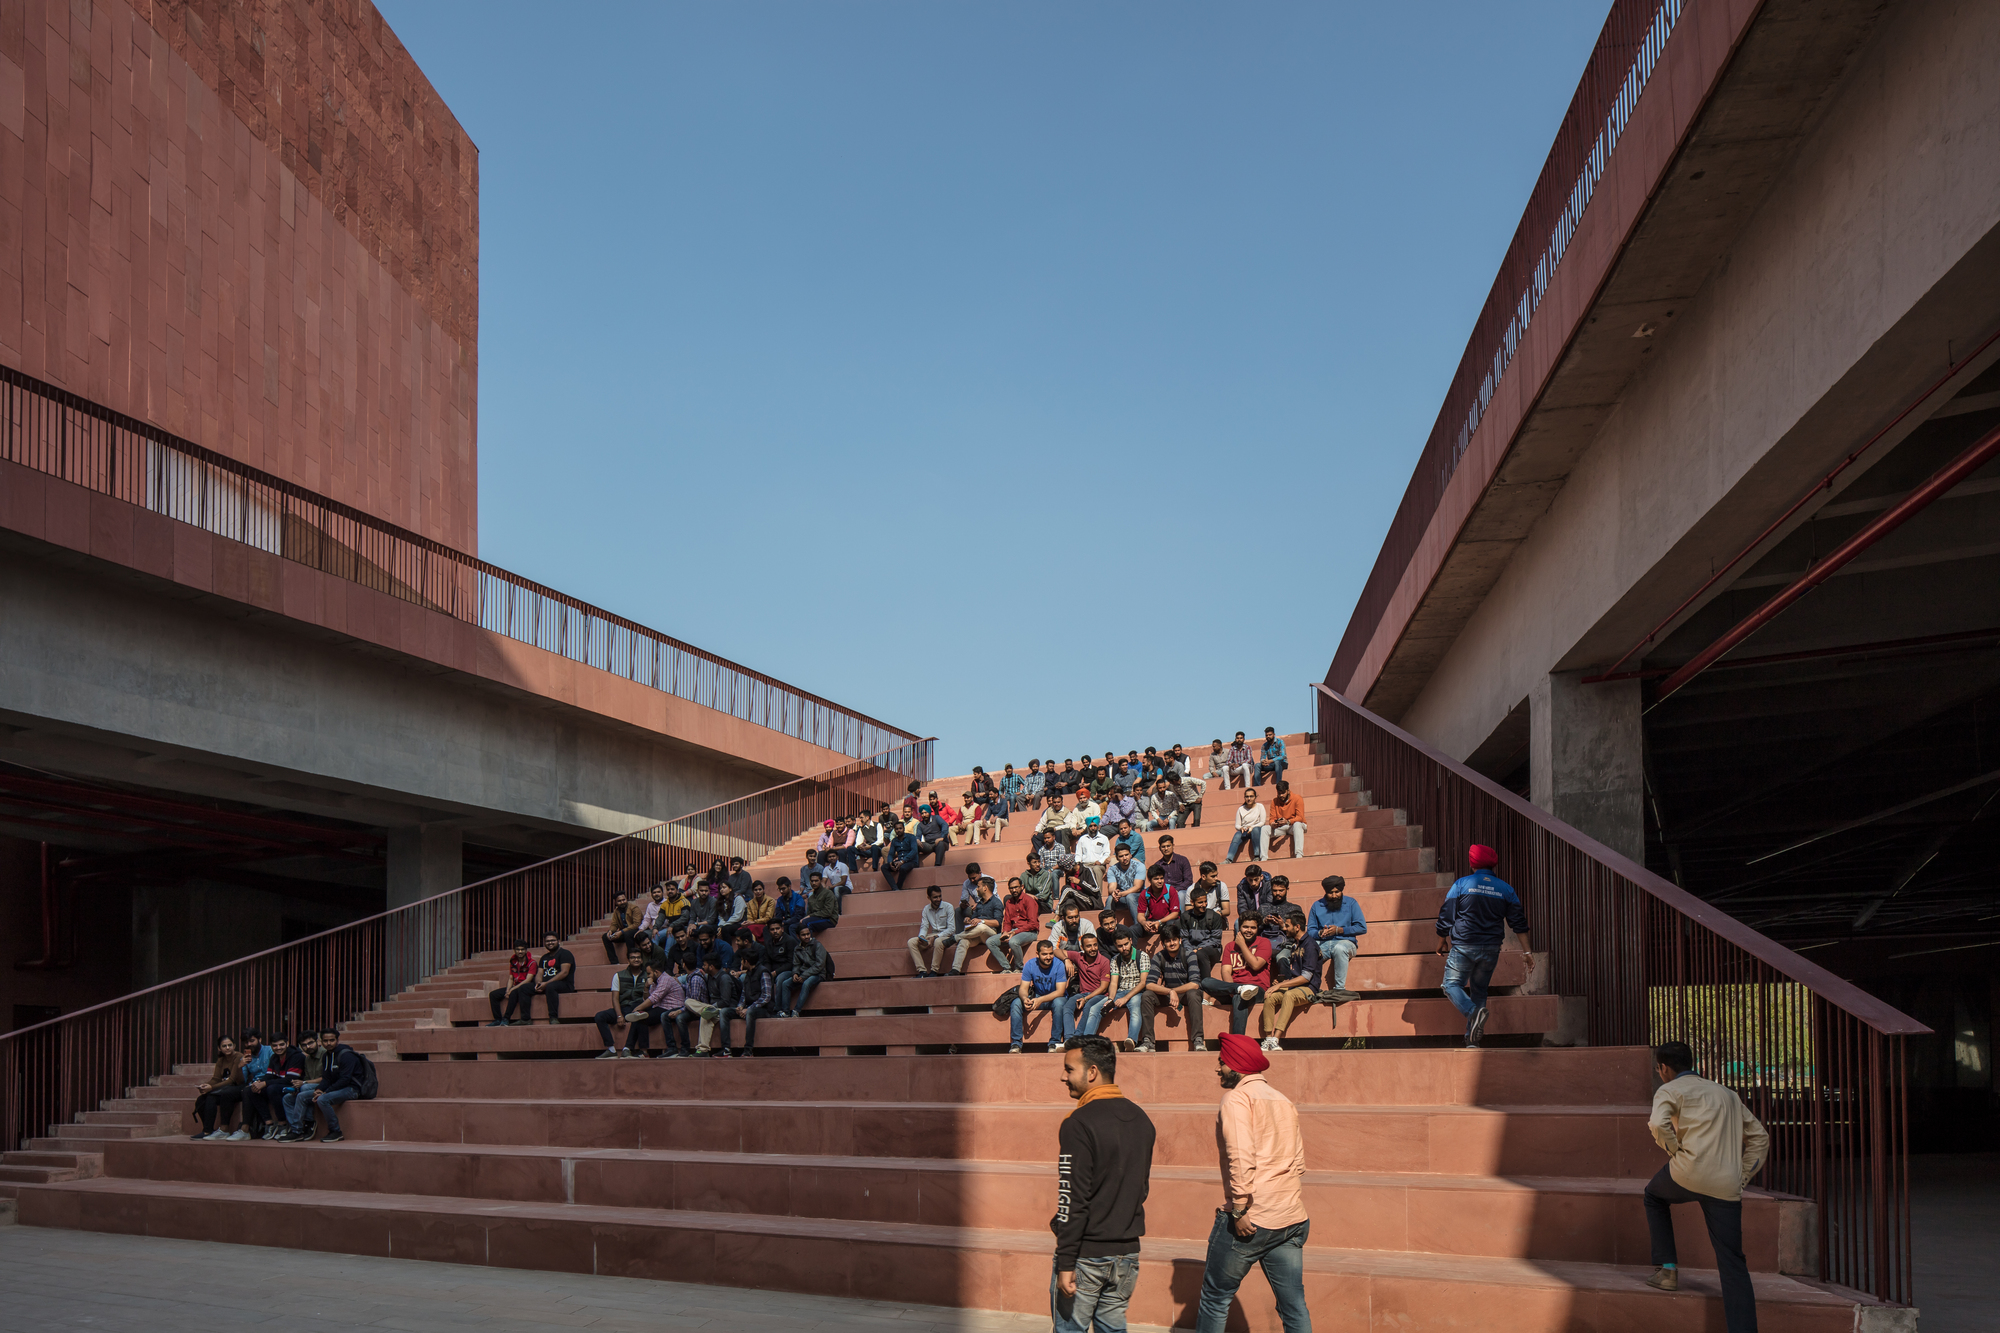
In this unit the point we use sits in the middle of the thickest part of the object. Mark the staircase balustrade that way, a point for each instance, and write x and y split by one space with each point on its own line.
52 1072
1820 1061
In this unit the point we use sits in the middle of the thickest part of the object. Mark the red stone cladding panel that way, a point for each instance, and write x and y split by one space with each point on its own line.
252 223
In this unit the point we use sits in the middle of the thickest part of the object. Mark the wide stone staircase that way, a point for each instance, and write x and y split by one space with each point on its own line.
886 1146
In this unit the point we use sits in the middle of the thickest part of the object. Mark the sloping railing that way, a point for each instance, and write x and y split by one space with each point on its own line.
53 1071
1819 1060
55 432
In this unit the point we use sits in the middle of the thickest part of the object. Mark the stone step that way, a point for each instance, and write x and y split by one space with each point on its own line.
905 1261
983 981
84 1163
1493 1077
1581 1219
1463 1140
1416 1017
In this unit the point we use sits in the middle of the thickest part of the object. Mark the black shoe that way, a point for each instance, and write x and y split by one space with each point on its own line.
499 1023
1477 1027
954 973
334 1137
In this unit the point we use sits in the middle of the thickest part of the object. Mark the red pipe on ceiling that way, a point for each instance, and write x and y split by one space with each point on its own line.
1940 482
1824 483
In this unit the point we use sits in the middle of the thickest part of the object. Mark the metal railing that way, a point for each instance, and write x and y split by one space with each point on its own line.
1821 1062
1634 36
52 1072
55 432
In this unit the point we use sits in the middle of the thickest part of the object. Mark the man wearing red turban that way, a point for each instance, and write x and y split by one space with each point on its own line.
1471 927
1262 1222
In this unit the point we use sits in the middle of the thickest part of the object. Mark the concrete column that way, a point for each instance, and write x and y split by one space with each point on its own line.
425 860
1586 759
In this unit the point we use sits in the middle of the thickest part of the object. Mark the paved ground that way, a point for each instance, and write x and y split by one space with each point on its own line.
75 1280
1954 1238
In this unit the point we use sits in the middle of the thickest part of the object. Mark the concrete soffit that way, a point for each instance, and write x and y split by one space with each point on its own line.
1769 96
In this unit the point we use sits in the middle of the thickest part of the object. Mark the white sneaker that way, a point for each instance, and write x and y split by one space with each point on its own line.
1274 1045
1247 992
216 1135
239 1135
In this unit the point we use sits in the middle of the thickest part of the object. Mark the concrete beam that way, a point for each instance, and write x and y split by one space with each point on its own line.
111 674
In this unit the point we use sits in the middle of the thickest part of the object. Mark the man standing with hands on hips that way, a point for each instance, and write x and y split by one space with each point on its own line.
1104 1169
1263 1218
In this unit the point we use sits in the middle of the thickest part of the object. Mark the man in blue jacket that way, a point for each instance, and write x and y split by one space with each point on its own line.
905 853
1336 925
1472 925
1271 761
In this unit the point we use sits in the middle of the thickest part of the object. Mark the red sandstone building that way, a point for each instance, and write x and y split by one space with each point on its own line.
257 682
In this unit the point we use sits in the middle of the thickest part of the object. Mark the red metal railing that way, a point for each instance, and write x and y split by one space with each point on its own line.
53 431
1820 1061
52 1072
1634 35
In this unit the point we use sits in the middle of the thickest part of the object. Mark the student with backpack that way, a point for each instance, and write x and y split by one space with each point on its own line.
345 1075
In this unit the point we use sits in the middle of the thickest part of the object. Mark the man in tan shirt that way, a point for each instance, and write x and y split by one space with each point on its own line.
1262 1222
1714 1146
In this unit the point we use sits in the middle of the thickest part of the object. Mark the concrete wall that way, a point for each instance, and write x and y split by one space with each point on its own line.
199 691
252 223
1838 301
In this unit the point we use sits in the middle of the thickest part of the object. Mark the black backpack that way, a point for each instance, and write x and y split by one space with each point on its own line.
829 963
364 1077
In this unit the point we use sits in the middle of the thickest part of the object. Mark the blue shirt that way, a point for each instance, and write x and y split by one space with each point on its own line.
254 1067
1274 749
1348 918
904 849
1478 907
1045 982
1136 843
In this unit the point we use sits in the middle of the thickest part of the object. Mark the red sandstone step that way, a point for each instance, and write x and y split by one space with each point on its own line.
1586 1219
1493 1077
1509 1141
904 1261
1419 1017
1397 972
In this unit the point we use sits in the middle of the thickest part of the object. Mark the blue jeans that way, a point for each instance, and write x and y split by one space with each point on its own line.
1135 1013
1103 1291
1239 1008
1337 952
1282 1255
329 1104
1259 839
296 1105
806 988
1271 769
1079 1018
1017 1021
1467 970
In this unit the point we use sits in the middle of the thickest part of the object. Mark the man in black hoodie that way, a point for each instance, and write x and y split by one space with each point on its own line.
1103 1172
340 1082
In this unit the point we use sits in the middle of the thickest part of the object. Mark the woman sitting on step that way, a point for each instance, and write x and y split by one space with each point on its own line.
222 1093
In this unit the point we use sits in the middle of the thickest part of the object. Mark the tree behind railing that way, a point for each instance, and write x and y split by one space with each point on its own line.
54 1071
1820 1061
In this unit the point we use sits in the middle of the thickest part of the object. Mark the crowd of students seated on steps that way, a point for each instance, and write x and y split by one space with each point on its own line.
699 952
281 1088
1089 952
1155 790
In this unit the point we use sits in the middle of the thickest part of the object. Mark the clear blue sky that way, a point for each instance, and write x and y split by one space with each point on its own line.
1041 376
